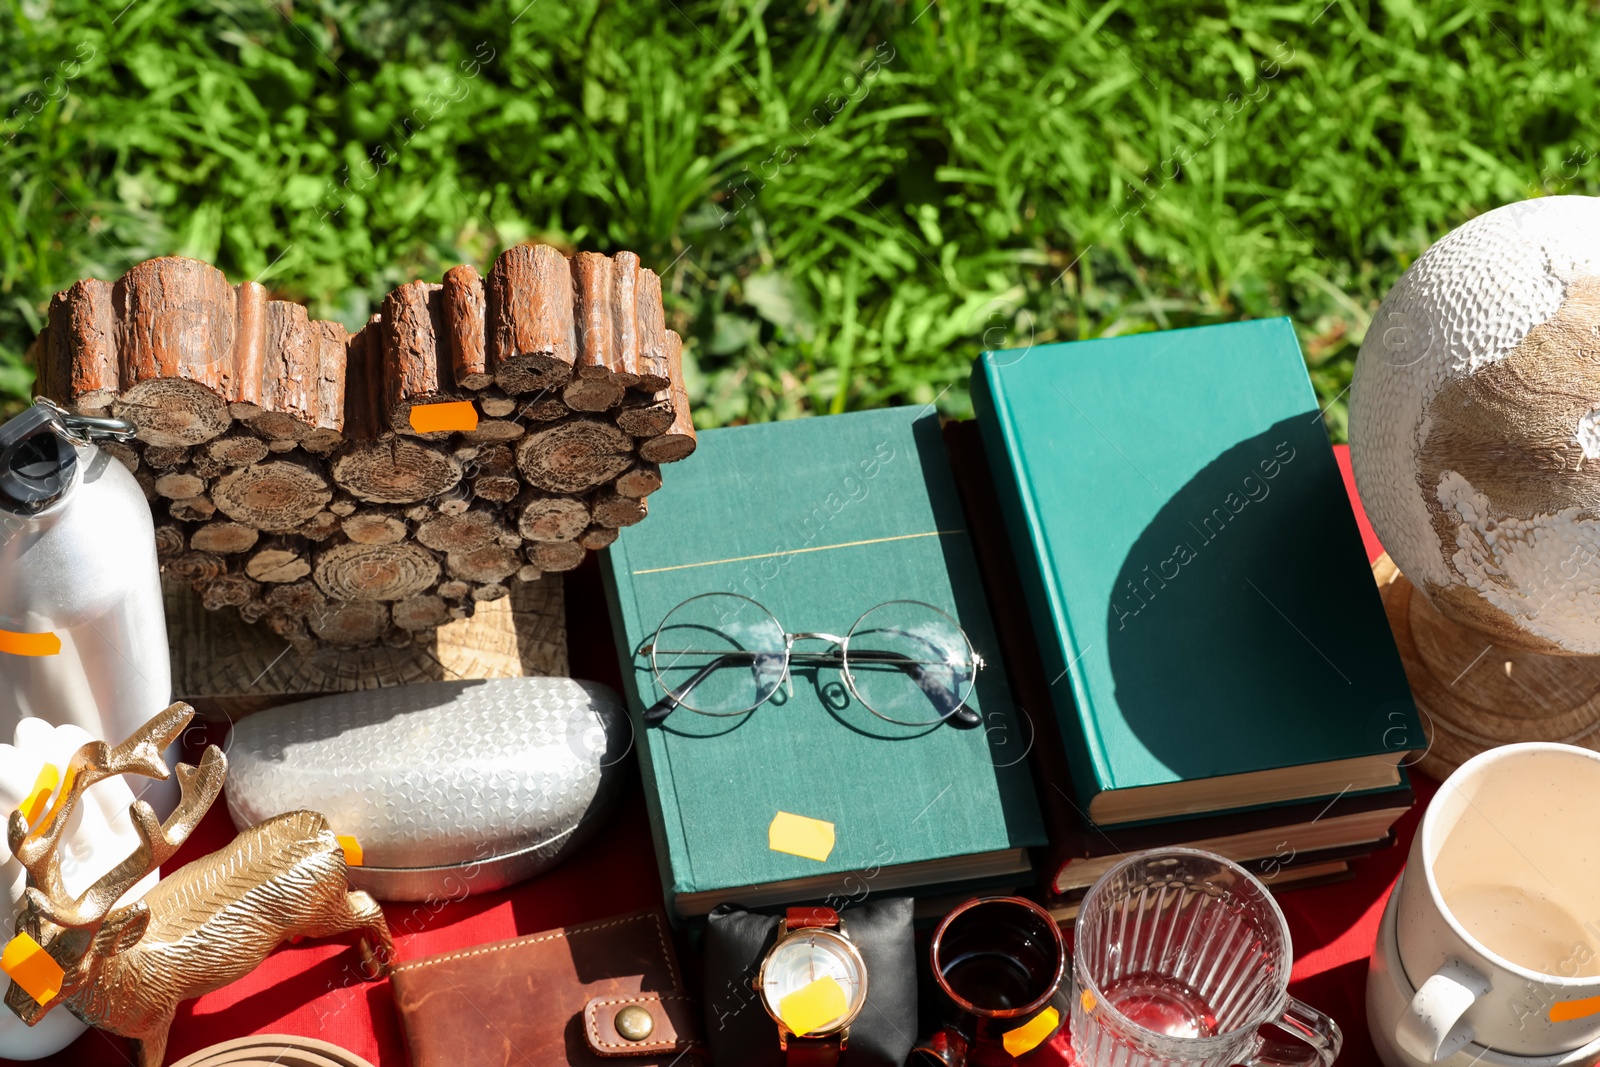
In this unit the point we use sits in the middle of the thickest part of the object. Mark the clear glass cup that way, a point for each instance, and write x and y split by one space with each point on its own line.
1181 958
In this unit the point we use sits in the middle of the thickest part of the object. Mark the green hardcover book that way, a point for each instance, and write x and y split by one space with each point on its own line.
819 520
1195 576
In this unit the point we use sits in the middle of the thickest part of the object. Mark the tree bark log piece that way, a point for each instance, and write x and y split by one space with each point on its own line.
227 591
224 538
529 573
532 338
178 486
319 527
655 373
596 386
494 431
363 388
123 453
79 368
639 482
375 572
170 541
395 471
375 527
488 563
454 590
454 501
165 457
194 509
497 406
352 624
197 567
490 591
276 496
289 370
277 563
553 518
204 465
237 449
653 415
249 349
554 556
678 442
574 456
612 509
416 354
463 314
425 611
175 341
327 429
453 533
496 488
598 537
297 598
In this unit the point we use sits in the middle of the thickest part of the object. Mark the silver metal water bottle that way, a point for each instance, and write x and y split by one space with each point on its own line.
83 635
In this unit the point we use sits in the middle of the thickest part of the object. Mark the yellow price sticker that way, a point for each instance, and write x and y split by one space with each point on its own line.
813 1007
27 963
352 850
1031 1034
800 836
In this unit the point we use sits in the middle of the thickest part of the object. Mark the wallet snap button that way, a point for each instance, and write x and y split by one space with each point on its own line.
634 1023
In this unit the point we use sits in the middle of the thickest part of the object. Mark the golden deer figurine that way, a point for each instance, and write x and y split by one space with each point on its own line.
127 968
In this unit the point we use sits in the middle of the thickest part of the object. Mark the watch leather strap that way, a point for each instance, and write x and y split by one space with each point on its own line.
813 1052
814 918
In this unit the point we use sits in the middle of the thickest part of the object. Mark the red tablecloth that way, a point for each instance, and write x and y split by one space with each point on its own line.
311 989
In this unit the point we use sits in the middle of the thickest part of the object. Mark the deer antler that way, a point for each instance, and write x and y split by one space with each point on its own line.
95 762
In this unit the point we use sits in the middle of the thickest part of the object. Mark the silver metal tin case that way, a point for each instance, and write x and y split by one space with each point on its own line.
450 788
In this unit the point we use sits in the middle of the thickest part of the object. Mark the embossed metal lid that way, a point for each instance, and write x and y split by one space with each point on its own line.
440 779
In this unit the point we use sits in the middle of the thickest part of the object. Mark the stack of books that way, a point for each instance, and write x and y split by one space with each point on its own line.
1148 541
1192 629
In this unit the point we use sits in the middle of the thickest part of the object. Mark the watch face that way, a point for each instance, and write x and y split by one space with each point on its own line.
805 956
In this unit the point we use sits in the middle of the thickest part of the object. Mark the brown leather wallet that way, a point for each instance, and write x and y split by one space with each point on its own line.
582 995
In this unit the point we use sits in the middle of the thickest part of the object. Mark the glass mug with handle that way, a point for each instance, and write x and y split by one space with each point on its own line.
724 654
1181 957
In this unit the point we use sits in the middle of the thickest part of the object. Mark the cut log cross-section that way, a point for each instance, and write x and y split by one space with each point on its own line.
175 334
531 335
280 457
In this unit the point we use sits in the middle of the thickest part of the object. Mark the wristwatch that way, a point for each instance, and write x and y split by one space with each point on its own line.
812 945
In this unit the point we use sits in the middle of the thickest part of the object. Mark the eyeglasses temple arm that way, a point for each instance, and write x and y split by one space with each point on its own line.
658 711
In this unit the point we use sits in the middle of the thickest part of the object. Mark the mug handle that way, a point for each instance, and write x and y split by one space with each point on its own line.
1431 1028
1315 1028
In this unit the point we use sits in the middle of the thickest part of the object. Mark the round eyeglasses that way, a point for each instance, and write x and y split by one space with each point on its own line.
725 654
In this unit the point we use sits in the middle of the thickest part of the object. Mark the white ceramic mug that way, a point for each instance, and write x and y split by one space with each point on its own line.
1499 911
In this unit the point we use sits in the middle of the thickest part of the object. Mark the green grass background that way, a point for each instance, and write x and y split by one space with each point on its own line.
847 200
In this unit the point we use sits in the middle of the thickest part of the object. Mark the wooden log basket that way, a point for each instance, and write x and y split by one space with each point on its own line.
296 474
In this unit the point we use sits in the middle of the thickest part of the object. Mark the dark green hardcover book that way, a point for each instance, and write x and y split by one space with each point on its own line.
819 520
1208 623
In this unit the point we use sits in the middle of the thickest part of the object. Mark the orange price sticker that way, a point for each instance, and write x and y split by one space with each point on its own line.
27 963
1031 1034
456 415
29 644
1568 1010
352 850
